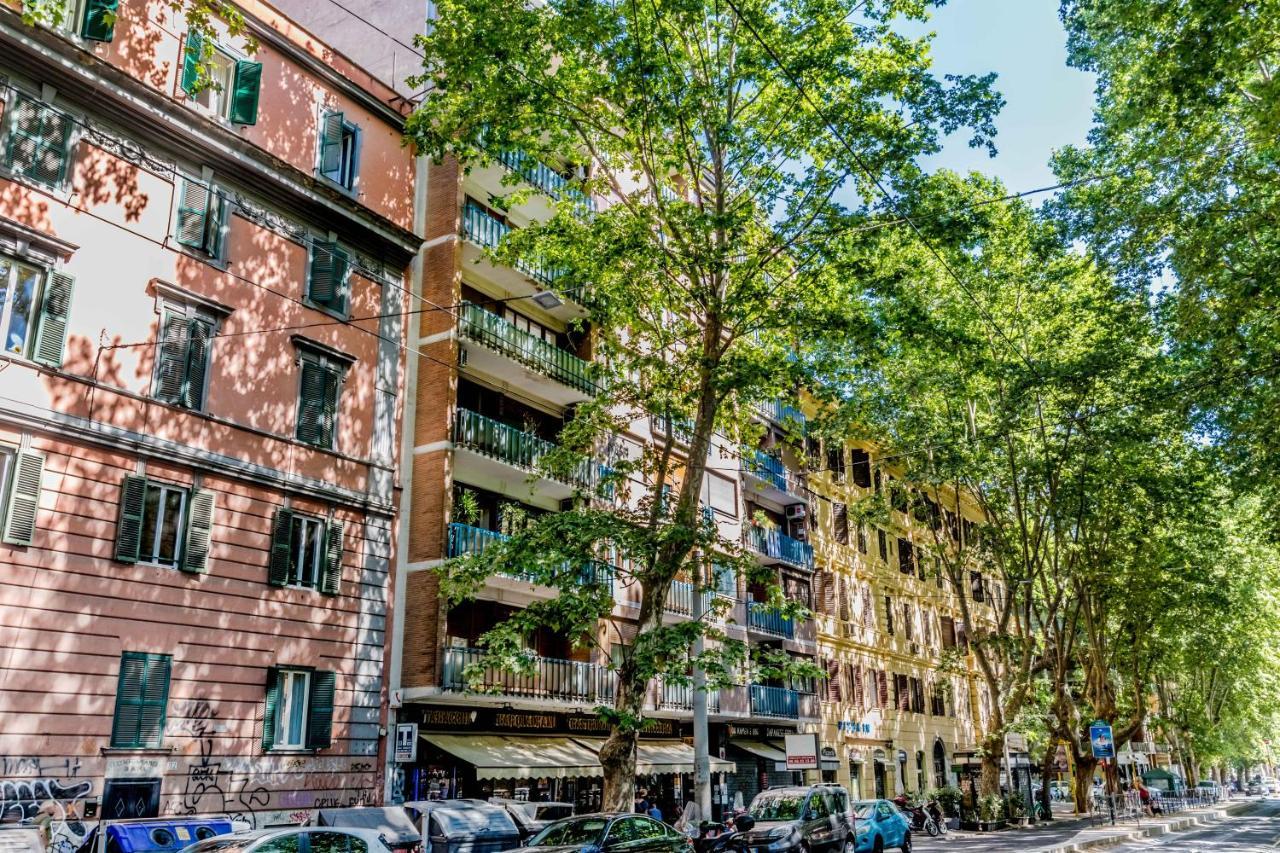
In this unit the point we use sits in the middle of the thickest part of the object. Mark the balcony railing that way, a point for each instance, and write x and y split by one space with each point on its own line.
779 546
764 618
680 599
501 335
679 697
483 229
766 467
550 678
545 178
781 412
466 539
774 702
520 449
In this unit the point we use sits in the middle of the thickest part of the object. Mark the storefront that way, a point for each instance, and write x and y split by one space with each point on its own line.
759 758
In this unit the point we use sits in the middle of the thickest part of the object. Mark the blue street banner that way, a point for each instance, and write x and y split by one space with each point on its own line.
1104 746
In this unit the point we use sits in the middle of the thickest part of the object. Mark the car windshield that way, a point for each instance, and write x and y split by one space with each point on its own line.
862 811
777 807
225 844
583 830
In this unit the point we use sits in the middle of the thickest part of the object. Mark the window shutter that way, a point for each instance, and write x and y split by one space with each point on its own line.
24 133
281 541
193 215
331 576
99 20
832 689
882 687
316 408
192 53
320 709
269 712
129 527
128 714
244 92
840 521
888 615
331 144
51 328
171 359
24 498
328 281
155 698
142 694
329 409
197 364
199 532
843 598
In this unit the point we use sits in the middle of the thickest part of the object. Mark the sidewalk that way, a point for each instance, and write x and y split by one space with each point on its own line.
1071 834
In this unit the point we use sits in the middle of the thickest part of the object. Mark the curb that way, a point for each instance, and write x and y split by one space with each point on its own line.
1153 830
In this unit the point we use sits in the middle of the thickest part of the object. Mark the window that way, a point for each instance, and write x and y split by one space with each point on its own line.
333 842
861 467
883 542
182 359
94 20
142 695
339 149
299 712
201 220
327 277
975 586
726 583
840 522
38 144
888 615
862 538
20 476
835 463
163 524
321 382
284 843
34 305
906 557
220 83
305 552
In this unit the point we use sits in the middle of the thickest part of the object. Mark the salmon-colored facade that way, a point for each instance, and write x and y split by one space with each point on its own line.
202 359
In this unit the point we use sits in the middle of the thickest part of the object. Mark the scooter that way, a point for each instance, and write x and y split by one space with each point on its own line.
728 837
927 818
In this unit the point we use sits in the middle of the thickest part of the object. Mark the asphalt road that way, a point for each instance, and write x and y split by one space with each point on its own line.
1253 830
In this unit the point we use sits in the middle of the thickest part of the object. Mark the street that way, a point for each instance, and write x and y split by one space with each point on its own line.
1256 828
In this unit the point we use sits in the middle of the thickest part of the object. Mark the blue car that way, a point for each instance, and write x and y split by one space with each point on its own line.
879 826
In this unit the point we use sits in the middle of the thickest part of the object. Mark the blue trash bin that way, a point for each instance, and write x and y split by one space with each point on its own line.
163 836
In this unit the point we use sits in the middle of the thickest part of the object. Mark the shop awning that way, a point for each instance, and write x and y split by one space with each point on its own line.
511 757
760 749
666 756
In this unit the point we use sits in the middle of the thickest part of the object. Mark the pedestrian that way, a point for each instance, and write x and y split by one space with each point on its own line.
1144 794
690 820
655 812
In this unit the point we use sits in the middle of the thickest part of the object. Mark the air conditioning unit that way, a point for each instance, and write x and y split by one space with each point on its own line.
799 530
797 511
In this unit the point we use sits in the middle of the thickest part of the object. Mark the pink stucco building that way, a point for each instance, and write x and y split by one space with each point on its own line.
202 356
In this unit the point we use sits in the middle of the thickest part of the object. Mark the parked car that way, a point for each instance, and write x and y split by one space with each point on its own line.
880 826
1254 788
622 832
815 818
294 839
463 826
1208 788
532 818
392 823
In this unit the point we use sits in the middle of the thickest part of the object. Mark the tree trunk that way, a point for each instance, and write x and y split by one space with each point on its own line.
1046 770
618 755
989 782
1082 783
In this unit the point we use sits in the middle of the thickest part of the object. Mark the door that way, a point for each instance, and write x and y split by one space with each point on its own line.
879 773
819 826
890 828
637 834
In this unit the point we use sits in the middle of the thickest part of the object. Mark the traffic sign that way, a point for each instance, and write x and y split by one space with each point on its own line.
1104 745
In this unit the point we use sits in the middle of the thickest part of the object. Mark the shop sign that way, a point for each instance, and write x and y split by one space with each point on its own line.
849 727
802 752
758 732
443 719
406 743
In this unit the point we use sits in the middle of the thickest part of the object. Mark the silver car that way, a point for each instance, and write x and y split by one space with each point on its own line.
294 839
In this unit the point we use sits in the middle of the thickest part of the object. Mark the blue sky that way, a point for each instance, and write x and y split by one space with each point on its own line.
1047 104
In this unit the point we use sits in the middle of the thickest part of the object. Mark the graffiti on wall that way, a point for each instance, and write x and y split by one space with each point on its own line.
48 794
207 787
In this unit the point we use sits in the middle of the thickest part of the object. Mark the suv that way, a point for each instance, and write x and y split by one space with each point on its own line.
814 818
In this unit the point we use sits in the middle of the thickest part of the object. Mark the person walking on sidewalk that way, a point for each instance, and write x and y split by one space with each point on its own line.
1144 794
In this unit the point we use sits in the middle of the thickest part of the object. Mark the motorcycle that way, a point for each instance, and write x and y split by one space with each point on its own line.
728 837
927 818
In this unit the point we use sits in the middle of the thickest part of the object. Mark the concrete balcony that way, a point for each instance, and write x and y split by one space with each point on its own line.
763 619
767 476
466 539
500 457
680 599
550 679
761 702
542 177
773 546
519 359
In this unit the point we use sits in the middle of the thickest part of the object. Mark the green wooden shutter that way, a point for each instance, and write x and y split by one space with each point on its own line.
24 134
129 527
195 557
53 149
272 706
327 279
99 20
331 145
331 574
142 694
193 214
329 408
311 403
320 709
244 92
24 498
281 548
51 327
197 366
192 54
171 359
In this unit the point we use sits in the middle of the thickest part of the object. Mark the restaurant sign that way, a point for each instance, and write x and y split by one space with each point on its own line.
446 719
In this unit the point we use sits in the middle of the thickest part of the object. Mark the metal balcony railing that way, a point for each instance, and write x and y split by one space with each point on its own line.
550 678
501 335
781 412
680 599
679 697
779 546
484 230
548 180
762 617
766 467
774 702
466 539
520 449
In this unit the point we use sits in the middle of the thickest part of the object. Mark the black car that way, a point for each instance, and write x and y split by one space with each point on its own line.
813 818
608 833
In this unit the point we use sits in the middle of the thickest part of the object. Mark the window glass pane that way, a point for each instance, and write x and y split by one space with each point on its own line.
170 530
282 844
297 537
297 687
150 521
328 842
23 309
314 530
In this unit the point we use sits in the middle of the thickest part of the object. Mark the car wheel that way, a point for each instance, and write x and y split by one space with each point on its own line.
906 843
849 846
879 846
